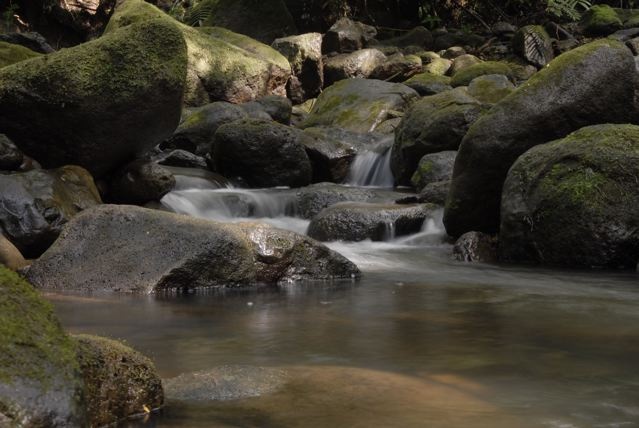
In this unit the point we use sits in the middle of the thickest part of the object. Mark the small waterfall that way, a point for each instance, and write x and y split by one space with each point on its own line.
389 231
371 168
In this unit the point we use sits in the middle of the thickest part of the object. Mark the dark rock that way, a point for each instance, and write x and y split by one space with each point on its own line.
140 182
36 204
304 53
10 156
119 382
313 199
148 250
357 221
86 17
40 383
573 202
265 154
434 167
435 193
82 114
501 29
278 108
476 247
30 40
359 64
347 36
182 159
533 43
431 125
255 110
541 110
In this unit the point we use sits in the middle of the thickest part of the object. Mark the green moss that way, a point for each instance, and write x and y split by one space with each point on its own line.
423 169
600 20
464 76
11 53
32 343
427 78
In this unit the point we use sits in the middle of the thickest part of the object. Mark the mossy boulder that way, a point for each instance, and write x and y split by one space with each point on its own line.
359 105
35 205
263 20
601 20
490 88
433 124
11 53
438 66
556 101
574 201
119 381
143 250
98 104
433 168
533 43
466 75
263 153
462 61
357 221
429 84
40 380
222 65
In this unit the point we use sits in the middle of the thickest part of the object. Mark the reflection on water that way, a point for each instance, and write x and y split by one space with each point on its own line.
420 341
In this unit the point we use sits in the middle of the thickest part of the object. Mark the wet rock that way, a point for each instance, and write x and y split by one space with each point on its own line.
119 381
313 199
429 84
573 201
491 88
181 158
140 182
225 383
264 154
35 205
466 75
359 64
476 247
11 54
600 20
221 65
357 221
84 115
10 156
537 112
397 68
347 36
433 124
304 53
434 167
40 383
359 105
435 193
10 256
30 40
195 132
146 250
533 43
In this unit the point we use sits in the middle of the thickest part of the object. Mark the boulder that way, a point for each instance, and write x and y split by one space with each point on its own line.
438 66
304 53
278 108
256 110
40 382
454 52
221 65
359 105
435 192
10 256
533 43
196 130
11 53
119 381
490 88
313 199
263 20
180 158
357 221
466 75
359 64
461 62
542 109
34 205
263 153
429 84
31 40
10 156
574 201
433 124
434 167
97 104
140 182
347 36
397 68
145 250
476 247
600 20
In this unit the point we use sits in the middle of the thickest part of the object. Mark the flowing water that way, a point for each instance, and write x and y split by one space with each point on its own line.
419 341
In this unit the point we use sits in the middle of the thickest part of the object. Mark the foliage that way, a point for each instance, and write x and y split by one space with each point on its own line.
570 9
9 12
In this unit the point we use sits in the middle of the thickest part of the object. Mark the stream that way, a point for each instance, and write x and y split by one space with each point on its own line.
420 340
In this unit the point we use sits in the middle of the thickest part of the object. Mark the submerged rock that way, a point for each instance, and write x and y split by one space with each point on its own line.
263 153
144 250
359 105
40 382
542 109
97 104
119 382
574 201
357 221
35 205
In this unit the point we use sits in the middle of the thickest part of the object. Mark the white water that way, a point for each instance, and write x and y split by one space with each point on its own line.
371 169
